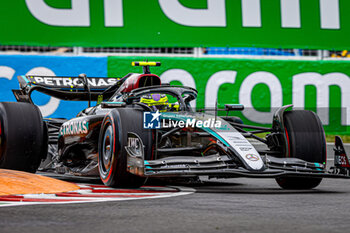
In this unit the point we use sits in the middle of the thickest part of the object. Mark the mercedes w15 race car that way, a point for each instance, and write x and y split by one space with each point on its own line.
143 128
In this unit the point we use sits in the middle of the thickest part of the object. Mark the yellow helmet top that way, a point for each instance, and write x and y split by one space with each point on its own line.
155 101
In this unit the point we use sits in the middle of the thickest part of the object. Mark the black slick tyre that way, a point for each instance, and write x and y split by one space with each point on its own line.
112 159
306 141
23 137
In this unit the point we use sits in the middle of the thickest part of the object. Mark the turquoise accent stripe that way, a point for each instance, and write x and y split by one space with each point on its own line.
25 78
146 162
212 132
114 102
318 165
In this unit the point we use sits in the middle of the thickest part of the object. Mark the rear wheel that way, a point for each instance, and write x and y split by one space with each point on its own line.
23 137
306 141
112 153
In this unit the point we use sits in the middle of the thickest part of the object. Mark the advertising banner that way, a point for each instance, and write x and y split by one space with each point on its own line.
13 65
311 24
260 85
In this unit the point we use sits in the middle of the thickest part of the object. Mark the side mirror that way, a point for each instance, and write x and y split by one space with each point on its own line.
234 107
113 104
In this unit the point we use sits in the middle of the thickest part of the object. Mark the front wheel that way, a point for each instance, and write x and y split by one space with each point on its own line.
298 182
112 159
306 141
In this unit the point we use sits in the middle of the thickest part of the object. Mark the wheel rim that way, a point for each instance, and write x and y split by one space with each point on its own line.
107 150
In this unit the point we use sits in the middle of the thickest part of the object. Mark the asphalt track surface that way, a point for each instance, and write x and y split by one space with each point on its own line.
231 205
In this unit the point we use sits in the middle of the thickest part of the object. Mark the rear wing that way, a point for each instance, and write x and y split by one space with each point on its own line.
95 83
66 88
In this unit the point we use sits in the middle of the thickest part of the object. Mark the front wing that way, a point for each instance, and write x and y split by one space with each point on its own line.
222 166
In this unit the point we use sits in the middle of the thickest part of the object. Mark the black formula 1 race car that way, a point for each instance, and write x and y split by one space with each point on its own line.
141 128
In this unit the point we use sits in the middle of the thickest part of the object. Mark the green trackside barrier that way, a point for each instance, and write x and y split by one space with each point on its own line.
306 24
260 85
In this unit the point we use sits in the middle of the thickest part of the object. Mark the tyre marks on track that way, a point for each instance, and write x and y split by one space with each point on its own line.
94 193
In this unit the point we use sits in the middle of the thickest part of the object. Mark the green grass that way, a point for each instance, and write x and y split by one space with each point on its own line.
345 138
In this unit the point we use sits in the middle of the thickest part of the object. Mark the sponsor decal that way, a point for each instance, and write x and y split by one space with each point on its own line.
74 127
252 157
240 141
245 148
247 144
342 160
72 81
135 145
175 166
236 138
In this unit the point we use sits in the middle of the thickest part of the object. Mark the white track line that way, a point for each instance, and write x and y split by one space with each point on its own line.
182 191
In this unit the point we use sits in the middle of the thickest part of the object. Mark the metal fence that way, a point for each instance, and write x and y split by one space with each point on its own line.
249 52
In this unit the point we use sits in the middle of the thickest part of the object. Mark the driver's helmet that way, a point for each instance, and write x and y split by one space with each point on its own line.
156 101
